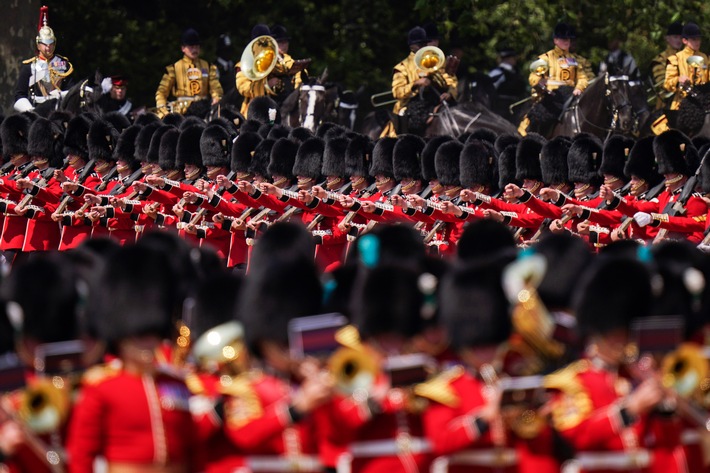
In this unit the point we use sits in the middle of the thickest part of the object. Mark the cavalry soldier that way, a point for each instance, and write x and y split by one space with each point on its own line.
682 75
188 80
42 77
674 44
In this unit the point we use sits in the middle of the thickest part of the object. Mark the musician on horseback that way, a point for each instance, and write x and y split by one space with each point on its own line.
42 77
658 64
688 67
408 79
189 80
282 78
558 67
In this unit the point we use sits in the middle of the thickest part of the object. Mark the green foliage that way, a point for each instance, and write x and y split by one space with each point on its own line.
359 41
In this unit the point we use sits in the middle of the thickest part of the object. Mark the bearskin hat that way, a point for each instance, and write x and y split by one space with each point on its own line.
428 154
242 151
382 158
641 162
61 118
446 161
567 257
488 240
126 145
119 121
334 132
283 284
334 157
553 160
477 165
616 152
675 153
283 157
45 141
309 159
75 137
527 157
504 140
144 295
406 157
506 166
168 150
324 128
191 120
259 164
611 294
228 126
358 156
146 119
264 110
275 132
583 160
188 146
476 286
154 148
215 146
102 140
300 134
250 126
143 141
388 301
483 134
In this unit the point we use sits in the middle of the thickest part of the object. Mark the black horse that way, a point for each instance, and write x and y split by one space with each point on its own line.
80 97
608 105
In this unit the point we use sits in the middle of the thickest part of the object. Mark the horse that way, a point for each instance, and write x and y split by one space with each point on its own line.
605 107
80 97
317 101
427 116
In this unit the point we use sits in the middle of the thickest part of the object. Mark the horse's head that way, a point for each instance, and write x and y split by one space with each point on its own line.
347 104
619 103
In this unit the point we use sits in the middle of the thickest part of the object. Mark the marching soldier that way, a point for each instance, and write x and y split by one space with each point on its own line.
43 77
188 80
682 75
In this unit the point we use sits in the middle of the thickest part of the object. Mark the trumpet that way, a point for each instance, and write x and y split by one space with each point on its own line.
260 57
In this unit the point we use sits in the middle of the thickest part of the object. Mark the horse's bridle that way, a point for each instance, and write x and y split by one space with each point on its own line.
613 107
309 120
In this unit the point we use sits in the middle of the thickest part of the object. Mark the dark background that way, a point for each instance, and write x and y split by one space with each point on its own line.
358 41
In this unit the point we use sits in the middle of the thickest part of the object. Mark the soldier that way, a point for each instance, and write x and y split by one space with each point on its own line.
132 411
284 76
190 79
681 75
563 67
408 79
658 65
116 99
42 78
508 82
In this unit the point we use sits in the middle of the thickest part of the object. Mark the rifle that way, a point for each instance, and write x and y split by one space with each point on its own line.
676 208
86 172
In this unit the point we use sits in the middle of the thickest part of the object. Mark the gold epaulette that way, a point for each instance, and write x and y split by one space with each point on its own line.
439 387
30 60
700 218
574 405
243 405
195 384
100 373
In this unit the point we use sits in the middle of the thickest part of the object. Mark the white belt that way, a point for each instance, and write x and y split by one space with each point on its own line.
437 243
284 463
322 232
559 82
192 98
379 448
690 437
609 461
500 457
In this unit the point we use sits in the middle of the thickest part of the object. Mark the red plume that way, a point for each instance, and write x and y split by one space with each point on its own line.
42 17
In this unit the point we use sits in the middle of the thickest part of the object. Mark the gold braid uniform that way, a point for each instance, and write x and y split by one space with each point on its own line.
403 90
658 74
676 67
565 68
187 78
250 89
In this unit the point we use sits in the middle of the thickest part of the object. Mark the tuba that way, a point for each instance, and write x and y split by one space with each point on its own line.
352 366
222 349
430 62
260 57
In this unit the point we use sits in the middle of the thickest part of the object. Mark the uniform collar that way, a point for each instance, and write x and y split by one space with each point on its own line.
561 52
689 50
